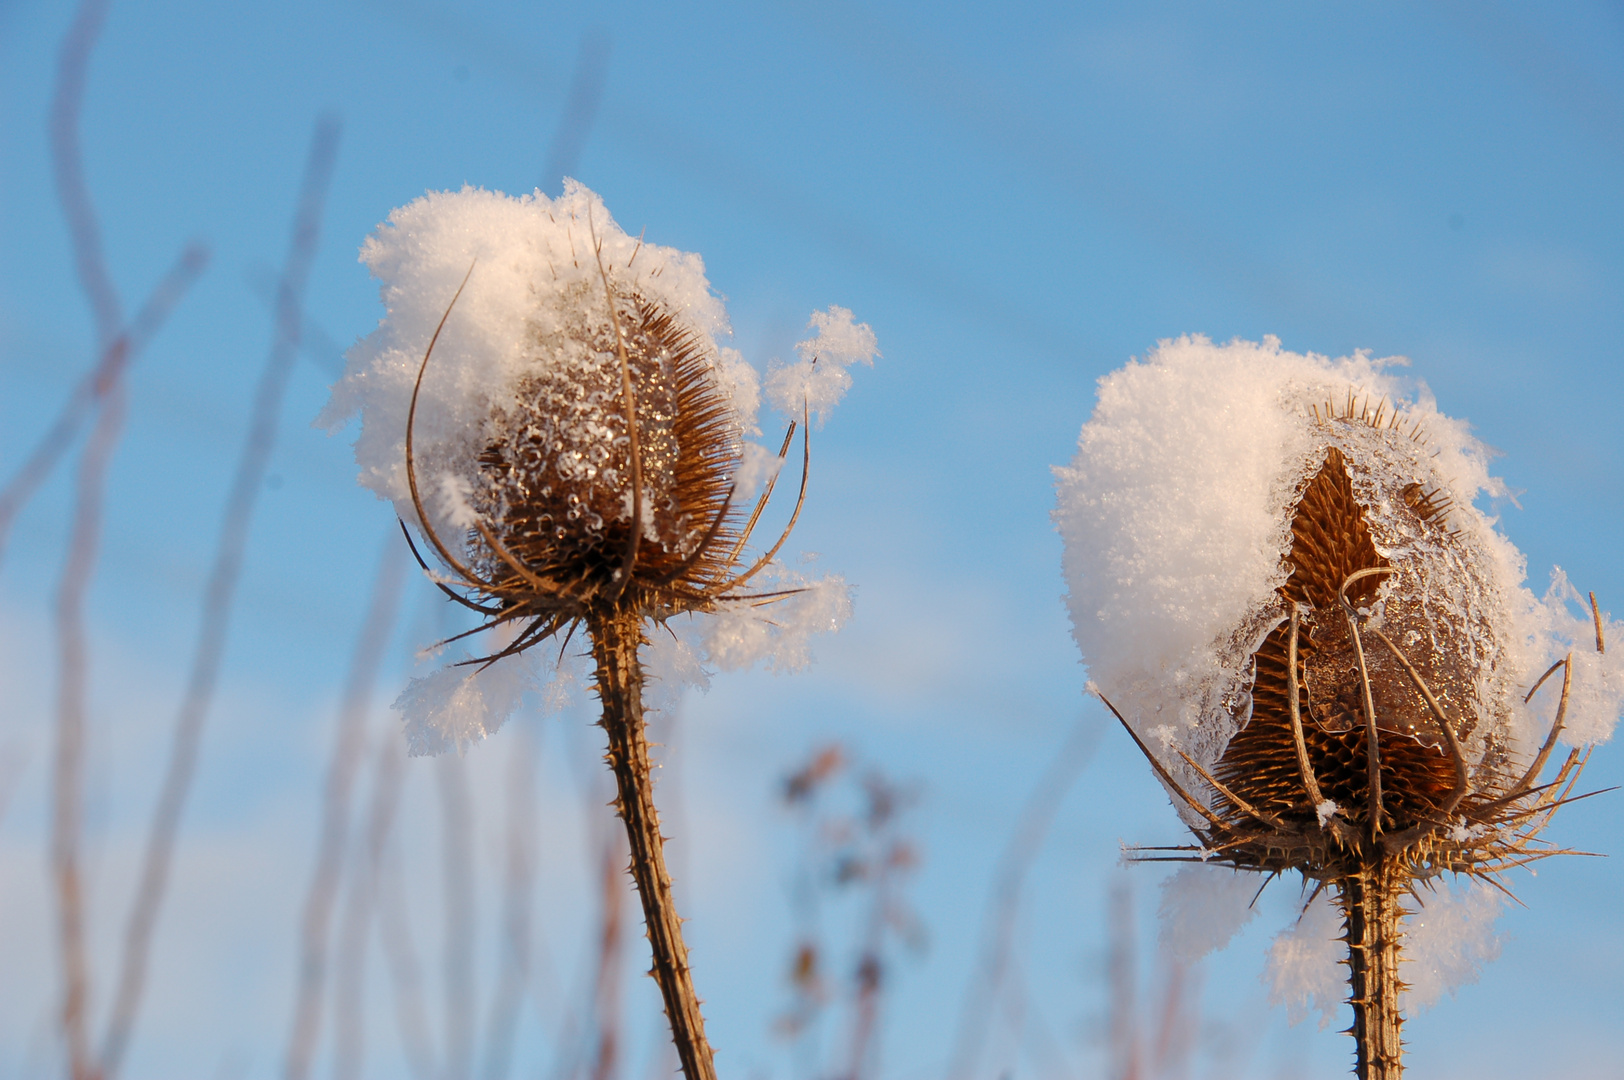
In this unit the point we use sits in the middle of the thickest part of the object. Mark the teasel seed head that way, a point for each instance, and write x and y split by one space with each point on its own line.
548 406
1280 582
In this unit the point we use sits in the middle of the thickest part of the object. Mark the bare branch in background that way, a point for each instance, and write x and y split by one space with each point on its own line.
869 857
68 776
613 855
1170 1053
1003 903
348 745
68 170
580 108
349 981
13 759
411 1015
318 346
220 592
457 877
517 891
1124 996
115 359
67 781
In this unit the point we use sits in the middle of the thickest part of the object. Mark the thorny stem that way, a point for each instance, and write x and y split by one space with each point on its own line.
616 635
1371 914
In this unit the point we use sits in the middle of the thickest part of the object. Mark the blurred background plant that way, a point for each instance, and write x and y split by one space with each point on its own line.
1018 200
856 859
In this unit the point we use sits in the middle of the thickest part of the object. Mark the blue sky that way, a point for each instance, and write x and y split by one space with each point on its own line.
1017 200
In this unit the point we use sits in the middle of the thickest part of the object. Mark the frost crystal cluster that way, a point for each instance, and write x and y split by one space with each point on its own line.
1281 583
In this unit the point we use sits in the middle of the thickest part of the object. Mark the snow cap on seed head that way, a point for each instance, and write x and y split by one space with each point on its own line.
1176 517
523 393
535 275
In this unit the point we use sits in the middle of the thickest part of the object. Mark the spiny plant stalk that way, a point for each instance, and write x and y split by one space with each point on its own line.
616 637
1371 916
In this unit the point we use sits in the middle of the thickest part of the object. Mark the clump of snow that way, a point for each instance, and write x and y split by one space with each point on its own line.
533 277
1325 811
1176 519
742 386
533 311
1448 940
1203 907
1563 624
819 379
1304 971
455 707
743 633
758 466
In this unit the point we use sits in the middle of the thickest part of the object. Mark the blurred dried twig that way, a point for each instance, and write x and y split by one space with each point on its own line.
79 566
67 167
457 877
411 1012
865 854
221 590
108 372
349 979
1003 903
518 879
68 778
348 745
605 1028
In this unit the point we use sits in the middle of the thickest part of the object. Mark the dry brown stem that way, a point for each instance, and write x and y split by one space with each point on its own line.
68 775
356 922
457 883
616 637
67 779
518 879
1371 915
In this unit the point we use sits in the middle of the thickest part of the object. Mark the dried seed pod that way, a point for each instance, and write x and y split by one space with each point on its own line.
1323 648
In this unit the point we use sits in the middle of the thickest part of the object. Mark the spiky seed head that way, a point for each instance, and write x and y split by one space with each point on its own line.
1331 542
557 473
1217 491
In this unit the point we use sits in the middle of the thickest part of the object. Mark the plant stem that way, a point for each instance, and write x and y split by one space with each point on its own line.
616 636
1371 913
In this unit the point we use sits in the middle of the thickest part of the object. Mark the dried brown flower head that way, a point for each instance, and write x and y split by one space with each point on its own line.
608 480
1325 650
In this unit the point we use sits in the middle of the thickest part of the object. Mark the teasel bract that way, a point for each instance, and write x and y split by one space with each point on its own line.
1285 593
548 408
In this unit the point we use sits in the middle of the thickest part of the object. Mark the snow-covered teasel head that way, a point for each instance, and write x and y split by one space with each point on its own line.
1282 584
1178 515
547 403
